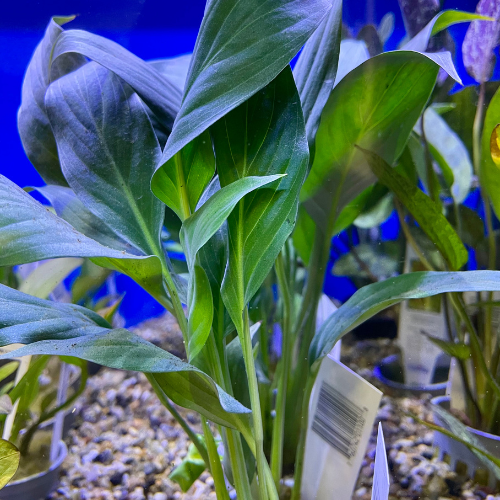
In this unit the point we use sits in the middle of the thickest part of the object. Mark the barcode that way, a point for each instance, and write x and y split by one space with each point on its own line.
338 421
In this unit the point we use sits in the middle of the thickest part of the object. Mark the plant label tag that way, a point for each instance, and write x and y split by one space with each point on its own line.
418 318
381 482
325 309
342 409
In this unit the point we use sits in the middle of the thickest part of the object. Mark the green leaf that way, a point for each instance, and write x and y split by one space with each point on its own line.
489 173
201 311
241 47
376 106
274 143
425 211
201 226
8 369
156 90
189 470
52 328
375 212
316 68
47 276
183 178
174 68
457 350
90 279
374 298
108 152
302 232
438 23
30 232
449 152
32 121
9 461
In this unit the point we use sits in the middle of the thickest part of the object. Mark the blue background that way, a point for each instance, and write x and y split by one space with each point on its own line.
150 29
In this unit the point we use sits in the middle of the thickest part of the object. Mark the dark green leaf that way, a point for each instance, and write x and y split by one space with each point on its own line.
372 299
32 121
274 143
316 68
427 213
454 349
157 91
108 152
302 235
241 47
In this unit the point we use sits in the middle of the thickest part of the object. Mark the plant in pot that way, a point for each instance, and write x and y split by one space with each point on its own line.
245 154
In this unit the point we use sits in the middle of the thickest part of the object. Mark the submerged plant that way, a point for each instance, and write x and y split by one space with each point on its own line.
259 166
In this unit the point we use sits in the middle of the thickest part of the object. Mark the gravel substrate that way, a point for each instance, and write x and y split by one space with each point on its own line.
126 444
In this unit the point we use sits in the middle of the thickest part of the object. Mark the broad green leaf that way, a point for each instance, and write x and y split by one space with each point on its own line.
52 328
360 112
495 146
44 278
156 90
182 180
174 68
9 461
489 173
189 470
201 311
241 47
200 227
32 121
372 299
274 143
108 152
426 212
316 68
449 152
438 23
30 232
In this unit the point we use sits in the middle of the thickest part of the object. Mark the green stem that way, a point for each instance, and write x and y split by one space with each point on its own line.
171 408
279 420
215 463
246 344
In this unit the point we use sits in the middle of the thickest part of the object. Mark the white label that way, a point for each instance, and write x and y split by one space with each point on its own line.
418 317
342 410
381 482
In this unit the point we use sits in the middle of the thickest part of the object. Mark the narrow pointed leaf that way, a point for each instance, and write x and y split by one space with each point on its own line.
108 152
241 47
372 299
32 121
426 212
65 329
316 68
201 226
157 91
274 144
457 350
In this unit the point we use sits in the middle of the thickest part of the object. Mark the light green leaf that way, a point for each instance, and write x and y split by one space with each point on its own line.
372 299
201 311
8 369
202 225
375 106
189 470
241 47
426 212
108 152
32 121
375 213
274 143
183 178
157 91
438 23
47 276
316 68
9 461
449 152
489 173
52 328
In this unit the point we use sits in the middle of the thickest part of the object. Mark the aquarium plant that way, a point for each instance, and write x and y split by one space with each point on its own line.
255 161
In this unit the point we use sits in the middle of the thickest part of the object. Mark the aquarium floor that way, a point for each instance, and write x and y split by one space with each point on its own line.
125 444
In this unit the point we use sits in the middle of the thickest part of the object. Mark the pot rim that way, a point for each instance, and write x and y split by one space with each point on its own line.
63 453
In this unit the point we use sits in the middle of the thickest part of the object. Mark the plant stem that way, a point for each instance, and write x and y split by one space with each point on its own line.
279 420
215 464
258 434
170 407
